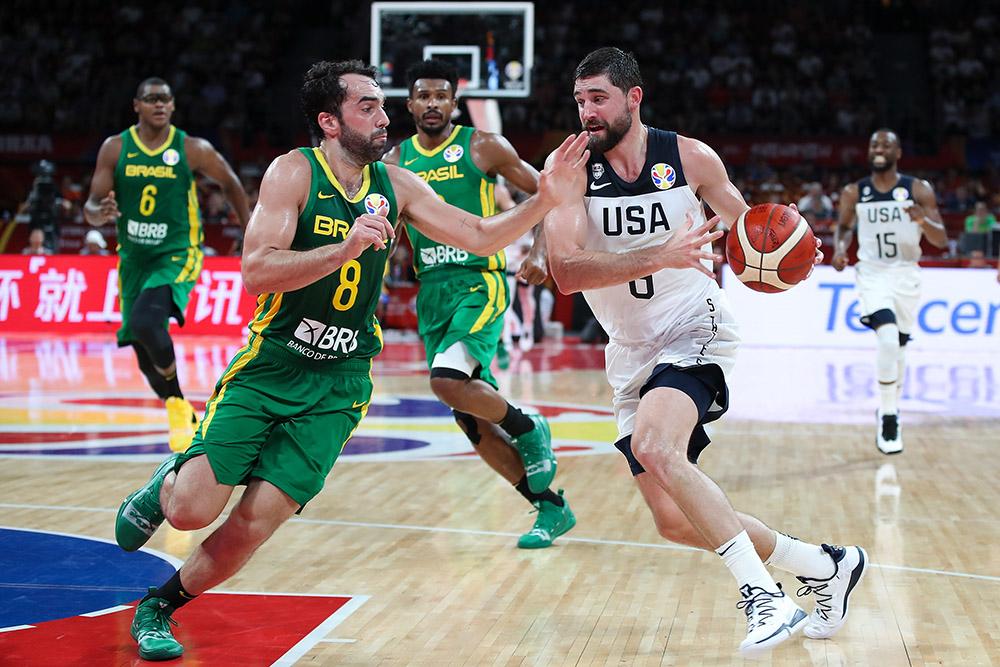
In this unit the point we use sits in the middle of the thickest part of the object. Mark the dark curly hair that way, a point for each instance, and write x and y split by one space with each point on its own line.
322 89
432 69
620 68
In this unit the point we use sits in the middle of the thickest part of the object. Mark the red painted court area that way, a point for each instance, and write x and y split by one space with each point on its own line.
215 629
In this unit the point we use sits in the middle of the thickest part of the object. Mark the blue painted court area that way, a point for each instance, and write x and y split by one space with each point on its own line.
45 577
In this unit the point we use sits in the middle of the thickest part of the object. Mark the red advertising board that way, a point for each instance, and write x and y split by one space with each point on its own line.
79 294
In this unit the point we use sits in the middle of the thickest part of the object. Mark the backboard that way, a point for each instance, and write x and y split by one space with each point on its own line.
491 43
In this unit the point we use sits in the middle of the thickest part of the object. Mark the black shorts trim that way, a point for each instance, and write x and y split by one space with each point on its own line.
449 373
705 385
878 318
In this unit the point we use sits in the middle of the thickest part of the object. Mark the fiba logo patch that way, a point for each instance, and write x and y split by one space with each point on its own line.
376 204
171 157
597 170
900 194
663 175
453 153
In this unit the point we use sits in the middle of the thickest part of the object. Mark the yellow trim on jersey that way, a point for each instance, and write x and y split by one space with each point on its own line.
249 352
501 292
434 151
149 151
486 316
366 178
259 323
194 220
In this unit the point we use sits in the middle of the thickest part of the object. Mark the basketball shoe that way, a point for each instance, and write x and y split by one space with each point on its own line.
832 594
552 521
535 448
151 629
888 438
140 513
771 619
183 421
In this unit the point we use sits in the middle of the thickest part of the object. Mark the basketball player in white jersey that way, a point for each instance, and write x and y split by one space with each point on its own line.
637 245
891 211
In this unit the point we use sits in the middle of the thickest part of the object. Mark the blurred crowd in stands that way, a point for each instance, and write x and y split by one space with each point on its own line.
776 69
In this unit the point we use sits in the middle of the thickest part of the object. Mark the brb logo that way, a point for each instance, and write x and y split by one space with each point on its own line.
442 254
146 233
319 335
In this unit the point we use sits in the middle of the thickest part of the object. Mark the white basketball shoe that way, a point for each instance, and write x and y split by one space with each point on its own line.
771 619
889 436
832 594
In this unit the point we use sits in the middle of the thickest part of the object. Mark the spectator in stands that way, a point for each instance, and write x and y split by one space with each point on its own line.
36 243
94 243
816 206
980 220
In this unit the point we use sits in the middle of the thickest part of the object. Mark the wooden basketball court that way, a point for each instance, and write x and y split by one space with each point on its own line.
421 534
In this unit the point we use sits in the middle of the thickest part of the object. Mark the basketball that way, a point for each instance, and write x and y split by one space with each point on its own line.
771 248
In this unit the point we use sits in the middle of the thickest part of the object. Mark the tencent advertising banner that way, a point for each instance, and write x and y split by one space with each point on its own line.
79 294
959 309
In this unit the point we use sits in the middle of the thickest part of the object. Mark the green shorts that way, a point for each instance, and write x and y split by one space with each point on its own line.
463 305
273 418
180 271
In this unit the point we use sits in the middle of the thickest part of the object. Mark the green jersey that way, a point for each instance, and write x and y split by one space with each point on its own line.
156 196
452 174
333 318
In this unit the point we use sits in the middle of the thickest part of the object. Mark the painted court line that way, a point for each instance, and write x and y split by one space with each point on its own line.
105 612
491 533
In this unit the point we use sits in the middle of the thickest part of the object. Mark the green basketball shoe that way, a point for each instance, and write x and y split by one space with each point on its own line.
151 630
140 513
552 522
535 448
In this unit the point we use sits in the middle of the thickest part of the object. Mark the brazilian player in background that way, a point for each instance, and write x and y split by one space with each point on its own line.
144 182
463 297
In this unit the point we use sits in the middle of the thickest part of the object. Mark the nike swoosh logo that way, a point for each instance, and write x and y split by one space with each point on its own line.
595 186
130 154
866 199
174 259
475 288
409 162
323 195
359 404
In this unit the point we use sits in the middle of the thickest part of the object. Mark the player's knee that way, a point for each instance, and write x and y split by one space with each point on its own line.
467 423
448 389
254 527
188 513
657 452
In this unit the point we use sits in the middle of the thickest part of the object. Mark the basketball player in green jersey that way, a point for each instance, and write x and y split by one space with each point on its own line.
463 297
315 252
144 181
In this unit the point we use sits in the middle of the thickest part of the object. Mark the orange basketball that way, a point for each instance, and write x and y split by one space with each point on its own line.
771 247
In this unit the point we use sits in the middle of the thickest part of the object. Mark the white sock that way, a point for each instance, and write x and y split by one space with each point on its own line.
800 558
742 560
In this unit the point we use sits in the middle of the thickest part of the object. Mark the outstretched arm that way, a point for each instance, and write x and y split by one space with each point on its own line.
203 158
843 233
484 236
925 213
101 207
269 265
575 268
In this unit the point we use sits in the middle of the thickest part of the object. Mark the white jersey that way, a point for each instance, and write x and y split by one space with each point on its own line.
678 317
630 216
887 237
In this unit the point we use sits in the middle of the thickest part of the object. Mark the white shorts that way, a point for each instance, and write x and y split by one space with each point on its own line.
890 288
630 367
